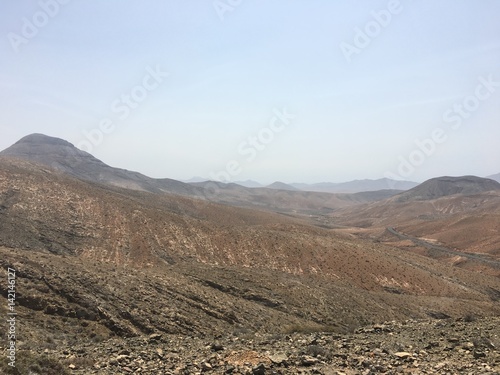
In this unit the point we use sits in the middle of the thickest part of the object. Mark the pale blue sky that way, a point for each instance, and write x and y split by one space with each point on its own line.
227 78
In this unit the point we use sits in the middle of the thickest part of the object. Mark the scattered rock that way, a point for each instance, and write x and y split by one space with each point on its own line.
403 355
307 360
217 347
395 349
155 337
260 369
278 358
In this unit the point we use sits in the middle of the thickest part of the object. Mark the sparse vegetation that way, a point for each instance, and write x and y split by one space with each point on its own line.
307 328
255 280
30 363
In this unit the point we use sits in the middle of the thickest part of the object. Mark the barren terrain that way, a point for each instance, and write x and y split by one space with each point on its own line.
112 280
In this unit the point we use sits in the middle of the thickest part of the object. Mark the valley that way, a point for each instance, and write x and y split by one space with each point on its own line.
103 263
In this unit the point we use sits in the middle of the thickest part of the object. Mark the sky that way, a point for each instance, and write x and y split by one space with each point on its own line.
289 90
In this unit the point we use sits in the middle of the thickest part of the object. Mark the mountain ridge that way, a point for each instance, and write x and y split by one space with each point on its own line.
447 185
63 156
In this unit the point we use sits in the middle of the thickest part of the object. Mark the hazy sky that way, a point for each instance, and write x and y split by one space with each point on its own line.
297 91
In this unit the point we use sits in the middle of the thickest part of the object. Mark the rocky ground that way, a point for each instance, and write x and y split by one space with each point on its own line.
110 281
447 346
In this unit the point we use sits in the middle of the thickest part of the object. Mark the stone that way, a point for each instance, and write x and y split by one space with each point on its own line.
260 369
278 358
307 360
205 366
402 355
479 354
217 347
155 337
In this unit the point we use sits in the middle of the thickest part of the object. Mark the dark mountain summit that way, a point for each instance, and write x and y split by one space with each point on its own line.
65 157
445 186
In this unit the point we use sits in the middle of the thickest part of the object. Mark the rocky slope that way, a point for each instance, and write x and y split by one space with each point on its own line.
112 281
446 186
447 346
462 214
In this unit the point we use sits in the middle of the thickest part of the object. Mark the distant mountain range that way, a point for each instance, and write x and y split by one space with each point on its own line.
66 158
357 186
297 197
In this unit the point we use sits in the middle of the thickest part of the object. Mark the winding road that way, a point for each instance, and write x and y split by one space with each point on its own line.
431 246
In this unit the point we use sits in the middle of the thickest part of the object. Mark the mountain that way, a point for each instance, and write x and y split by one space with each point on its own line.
448 218
195 179
114 280
357 186
132 262
65 157
249 183
495 177
281 186
445 186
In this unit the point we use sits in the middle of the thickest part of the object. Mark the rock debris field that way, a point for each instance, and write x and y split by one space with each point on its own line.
447 346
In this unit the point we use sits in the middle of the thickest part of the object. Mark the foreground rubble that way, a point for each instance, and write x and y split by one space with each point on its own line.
463 346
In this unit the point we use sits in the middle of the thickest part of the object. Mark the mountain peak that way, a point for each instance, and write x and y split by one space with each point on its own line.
63 156
50 151
278 185
40 139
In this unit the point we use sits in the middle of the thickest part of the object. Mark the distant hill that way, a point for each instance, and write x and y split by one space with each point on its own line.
461 213
195 179
445 186
495 177
357 186
65 157
282 186
249 184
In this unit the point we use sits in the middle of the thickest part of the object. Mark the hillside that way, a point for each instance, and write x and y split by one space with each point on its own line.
96 263
461 214
446 186
71 223
63 156
495 177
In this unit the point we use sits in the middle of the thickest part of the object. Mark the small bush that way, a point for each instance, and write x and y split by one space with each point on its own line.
470 318
317 350
308 328
35 364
